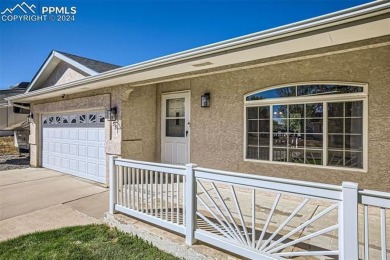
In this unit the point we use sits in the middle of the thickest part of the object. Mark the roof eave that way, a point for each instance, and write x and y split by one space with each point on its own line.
310 25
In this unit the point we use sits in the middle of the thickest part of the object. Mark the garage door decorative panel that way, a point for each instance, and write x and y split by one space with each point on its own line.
73 143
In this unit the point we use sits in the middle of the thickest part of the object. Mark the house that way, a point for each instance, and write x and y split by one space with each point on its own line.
8 117
306 101
13 120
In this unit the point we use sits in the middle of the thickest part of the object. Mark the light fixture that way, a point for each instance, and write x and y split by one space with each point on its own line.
30 118
205 100
111 114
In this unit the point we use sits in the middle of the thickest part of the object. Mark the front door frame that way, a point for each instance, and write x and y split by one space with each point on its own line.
178 94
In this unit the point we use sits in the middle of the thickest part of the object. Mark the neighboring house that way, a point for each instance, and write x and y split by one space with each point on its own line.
307 101
13 120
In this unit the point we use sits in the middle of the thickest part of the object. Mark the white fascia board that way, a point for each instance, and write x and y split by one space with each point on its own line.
75 64
65 59
40 72
227 47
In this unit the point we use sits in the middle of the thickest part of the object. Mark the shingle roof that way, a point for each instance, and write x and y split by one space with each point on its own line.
94 65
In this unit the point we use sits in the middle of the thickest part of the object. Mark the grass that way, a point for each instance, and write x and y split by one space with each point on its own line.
81 242
7 145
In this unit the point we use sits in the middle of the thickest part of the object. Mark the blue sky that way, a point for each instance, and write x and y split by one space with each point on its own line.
127 32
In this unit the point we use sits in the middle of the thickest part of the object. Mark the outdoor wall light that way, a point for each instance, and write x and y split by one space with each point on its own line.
111 114
205 100
30 118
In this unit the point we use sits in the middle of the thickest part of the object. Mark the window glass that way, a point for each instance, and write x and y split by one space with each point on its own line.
297 131
101 118
82 119
73 119
253 112
65 119
314 110
175 127
92 118
326 89
345 134
273 93
304 90
296 155
314 157
175 107
258 132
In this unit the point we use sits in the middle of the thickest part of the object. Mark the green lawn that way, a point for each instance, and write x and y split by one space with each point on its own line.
83 242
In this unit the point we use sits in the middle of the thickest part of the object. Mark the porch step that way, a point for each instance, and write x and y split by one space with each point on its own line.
165 240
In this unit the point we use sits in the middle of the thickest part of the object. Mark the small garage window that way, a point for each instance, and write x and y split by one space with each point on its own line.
82 119
65 120
73 119
92 118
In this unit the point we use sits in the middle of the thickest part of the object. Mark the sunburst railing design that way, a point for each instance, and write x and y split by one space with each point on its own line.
259 221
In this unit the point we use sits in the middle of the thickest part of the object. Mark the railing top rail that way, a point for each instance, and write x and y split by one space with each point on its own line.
374 198
168 168
373 193
272 179
173 166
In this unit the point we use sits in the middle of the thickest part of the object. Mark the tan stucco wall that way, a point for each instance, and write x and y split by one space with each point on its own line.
217 133
139 124
63 73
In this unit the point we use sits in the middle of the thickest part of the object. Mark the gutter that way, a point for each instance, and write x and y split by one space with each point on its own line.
340 17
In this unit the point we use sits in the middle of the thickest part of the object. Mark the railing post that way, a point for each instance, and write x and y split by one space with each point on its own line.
348 222
190 203
113 186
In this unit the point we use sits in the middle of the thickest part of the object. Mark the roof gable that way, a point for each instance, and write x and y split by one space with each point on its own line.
95 65
87 67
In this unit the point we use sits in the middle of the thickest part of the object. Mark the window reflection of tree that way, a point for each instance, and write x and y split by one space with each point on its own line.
304 90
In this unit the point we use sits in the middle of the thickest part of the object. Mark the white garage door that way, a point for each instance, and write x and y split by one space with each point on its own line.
74 143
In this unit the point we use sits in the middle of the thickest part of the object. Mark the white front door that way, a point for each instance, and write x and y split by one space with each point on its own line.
175 127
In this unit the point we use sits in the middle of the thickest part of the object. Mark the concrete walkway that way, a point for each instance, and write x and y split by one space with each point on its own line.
36 199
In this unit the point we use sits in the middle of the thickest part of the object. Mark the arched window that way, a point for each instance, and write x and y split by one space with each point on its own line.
312 124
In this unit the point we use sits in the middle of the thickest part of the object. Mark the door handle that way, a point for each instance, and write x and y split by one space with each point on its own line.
186 133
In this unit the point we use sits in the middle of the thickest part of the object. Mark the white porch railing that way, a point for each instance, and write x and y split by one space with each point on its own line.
374 228
253 216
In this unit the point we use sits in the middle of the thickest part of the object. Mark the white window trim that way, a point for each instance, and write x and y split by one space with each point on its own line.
349 97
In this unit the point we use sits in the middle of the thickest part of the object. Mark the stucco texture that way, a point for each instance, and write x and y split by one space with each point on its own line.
139 124
63 73
217 132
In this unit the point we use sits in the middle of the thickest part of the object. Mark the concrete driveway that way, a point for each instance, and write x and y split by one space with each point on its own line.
35 199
